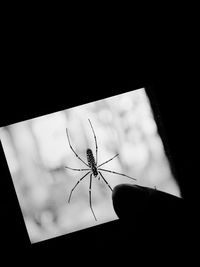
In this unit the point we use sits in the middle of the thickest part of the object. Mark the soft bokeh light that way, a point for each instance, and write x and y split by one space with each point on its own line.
37 152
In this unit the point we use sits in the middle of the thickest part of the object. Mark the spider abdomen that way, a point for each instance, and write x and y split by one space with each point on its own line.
90 157
91 161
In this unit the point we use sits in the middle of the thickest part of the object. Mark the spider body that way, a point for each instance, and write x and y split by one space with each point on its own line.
91 162
92 168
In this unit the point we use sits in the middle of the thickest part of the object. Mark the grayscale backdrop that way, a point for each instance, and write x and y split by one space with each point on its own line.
37 152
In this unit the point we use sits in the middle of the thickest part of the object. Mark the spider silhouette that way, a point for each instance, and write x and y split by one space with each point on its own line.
93 168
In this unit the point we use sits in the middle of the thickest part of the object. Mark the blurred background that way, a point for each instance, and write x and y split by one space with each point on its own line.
37 152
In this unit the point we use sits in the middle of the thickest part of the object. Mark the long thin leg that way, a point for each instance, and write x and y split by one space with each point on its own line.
107 161
76 169
76 185
105 181
90 196
117 173
94 139
73 149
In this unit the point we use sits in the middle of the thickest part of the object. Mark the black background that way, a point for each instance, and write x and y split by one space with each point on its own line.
40 84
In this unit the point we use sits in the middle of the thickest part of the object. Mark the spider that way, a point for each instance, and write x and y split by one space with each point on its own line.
93 169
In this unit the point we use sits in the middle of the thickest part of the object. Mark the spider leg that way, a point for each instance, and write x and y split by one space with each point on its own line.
105 181
74 150
117 173
94 139
76 169
90 196
108 160
76 185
